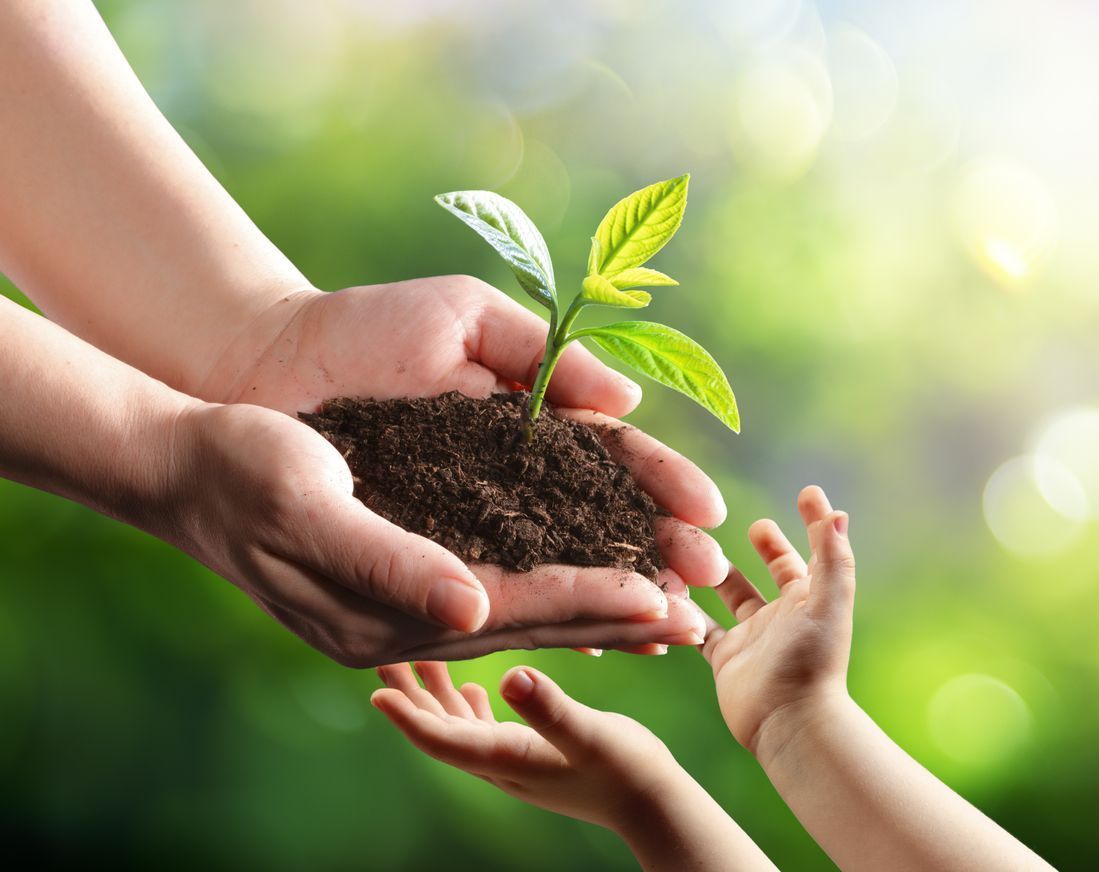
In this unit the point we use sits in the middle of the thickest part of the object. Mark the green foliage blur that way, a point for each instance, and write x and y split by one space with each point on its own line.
890 248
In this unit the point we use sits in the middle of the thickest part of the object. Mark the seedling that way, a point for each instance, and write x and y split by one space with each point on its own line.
635 229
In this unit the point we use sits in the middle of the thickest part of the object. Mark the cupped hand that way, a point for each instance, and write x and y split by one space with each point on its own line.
794 650
568 758
428 336
267 503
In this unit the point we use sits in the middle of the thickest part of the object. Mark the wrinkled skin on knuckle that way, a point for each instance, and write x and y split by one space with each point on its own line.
354 652
726 648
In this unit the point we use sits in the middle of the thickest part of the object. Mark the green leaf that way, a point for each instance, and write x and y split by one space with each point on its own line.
639 226
599 290
672 359
506 227
642 277
593 257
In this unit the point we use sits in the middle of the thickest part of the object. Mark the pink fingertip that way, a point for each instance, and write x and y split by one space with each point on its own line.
519 686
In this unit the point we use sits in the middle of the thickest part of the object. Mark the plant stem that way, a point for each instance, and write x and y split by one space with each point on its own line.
556 340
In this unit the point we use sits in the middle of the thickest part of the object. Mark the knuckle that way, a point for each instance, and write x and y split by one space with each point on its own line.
356 651
375 568
844 561
554 714
355 656
469 286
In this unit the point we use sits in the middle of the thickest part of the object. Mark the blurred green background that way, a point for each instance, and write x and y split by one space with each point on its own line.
892 247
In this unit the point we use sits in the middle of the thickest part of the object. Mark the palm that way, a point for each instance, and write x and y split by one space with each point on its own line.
784 650
586 774
424 337
765 661
406 339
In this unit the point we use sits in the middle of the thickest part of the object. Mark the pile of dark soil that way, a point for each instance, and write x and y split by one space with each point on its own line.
458 470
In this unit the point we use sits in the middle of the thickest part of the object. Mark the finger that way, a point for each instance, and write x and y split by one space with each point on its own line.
453 742
437 682
510 340
714 634
398 676
813 504
668 477
694 555
566 724
782 559
555 593
650 649
478 700
346 542
685 624
535 609
741 597
832 590
475 380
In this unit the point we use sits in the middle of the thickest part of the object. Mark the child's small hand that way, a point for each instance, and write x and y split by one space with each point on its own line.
591 765
785 655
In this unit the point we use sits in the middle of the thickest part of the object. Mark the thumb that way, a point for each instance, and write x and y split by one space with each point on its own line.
832 588
561 720
368 554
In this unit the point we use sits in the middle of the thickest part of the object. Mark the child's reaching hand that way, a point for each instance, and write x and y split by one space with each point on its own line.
595 766
792 651
781 676
571 759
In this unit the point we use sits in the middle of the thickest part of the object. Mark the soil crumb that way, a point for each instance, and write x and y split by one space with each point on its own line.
458 471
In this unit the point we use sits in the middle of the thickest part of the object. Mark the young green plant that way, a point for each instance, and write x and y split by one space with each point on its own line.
634 230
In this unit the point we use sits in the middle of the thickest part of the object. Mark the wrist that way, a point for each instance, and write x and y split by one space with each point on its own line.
153 498
256 333
652 806
791 727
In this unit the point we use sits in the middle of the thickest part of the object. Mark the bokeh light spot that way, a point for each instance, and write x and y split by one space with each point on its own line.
756 23
1018 512
1007 219
978 720
864 83
782 108
1070 443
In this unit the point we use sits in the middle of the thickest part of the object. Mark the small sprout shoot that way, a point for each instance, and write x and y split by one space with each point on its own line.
634 230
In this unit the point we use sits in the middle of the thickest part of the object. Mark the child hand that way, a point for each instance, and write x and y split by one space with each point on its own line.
790 653
594 766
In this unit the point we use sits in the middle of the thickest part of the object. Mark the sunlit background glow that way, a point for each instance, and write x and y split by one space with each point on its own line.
892 246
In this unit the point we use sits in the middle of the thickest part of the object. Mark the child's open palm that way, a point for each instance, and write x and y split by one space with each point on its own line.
795 648
571 759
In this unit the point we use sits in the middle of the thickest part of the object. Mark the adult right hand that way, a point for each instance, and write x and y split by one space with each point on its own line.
267 503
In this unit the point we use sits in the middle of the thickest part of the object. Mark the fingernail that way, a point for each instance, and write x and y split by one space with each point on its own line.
519 687
457 604
631 386
660 651
674 585
651 615
689 638
591 652
840 523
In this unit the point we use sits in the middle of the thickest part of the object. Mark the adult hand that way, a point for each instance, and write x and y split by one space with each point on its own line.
267 503
428 336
